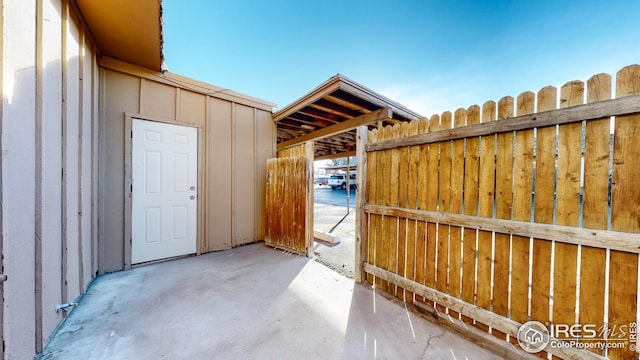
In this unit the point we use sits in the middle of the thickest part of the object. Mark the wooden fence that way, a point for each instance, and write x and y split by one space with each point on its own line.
515 211
289 199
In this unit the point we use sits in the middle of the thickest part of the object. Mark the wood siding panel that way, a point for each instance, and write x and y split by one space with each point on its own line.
51 181
192 108
120 94
219 172
18 181
158 100
244 172
265 129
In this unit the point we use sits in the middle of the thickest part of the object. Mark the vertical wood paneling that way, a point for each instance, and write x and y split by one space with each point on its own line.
219 170
412 202
243 175
486 186
51 182
372 188
421 227
595 203
568 207
522 188
543 208
387 222
392 200
403 201
264 151
530 175
625 212
457 187
471 195
432 204
71 165
444 203
504 196
18 178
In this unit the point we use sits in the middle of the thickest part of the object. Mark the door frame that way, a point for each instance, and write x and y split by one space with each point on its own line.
128 184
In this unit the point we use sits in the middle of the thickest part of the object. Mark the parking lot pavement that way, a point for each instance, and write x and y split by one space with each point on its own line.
339 257
338 197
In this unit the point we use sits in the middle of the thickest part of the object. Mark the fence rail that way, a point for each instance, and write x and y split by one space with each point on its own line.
526 209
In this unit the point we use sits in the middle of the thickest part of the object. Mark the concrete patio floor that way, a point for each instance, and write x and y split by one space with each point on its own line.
252 302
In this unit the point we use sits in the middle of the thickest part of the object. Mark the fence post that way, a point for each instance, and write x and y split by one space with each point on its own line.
361 183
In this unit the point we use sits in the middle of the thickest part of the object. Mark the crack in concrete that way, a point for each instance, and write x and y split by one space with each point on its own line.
424 354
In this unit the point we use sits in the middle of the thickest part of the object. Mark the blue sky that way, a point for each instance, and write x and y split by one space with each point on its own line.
431 56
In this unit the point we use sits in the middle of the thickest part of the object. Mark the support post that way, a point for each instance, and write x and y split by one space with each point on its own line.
361 186
309 153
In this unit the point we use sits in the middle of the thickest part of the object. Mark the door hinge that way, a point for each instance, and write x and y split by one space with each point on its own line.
132 134
3 278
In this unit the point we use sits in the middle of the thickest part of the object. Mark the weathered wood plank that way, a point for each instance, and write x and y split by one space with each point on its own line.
505 325
412 203
457 187
432 204
617 107
614 240
567 207
543 208
362 175
392 200
365 119
504 198
421 226
595 203
372 188
383 249
486 186
625 212
444 201
403 201
522 188
471 186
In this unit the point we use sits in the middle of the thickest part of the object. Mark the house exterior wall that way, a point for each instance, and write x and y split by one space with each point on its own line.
48 121
236 136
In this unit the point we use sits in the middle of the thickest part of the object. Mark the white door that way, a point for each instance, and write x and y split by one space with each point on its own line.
165 191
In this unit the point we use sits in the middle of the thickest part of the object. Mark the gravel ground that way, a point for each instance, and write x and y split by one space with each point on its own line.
338 257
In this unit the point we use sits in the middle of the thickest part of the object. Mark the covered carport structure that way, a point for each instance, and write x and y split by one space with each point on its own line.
329 122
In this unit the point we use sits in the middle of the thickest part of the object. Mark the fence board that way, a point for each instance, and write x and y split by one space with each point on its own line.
403 201
393 237
444 203
504 197
568 207
421 227
522 188
486 186
457 187
625 212
412 203
372 188
383 244
469 244
543 208
432 204
595 203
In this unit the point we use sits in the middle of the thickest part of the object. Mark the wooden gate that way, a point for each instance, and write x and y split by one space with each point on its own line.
289 202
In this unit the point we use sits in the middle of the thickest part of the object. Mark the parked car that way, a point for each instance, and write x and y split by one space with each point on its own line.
321 180
339 181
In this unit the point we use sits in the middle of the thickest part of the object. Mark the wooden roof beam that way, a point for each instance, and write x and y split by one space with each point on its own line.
336 156
366 119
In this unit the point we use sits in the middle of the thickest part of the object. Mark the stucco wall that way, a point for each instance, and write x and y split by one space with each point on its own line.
236 137
48 121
